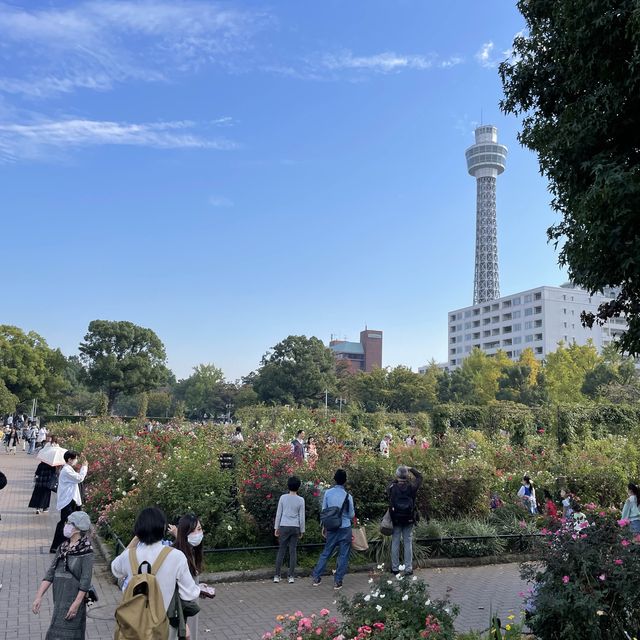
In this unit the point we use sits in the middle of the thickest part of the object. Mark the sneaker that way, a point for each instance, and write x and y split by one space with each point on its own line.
316 582
276 578
337 586
37 512
291 579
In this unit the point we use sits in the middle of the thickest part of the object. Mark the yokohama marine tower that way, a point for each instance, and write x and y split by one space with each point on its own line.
486 160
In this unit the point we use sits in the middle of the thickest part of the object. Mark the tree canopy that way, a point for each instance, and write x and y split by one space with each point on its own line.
30 369
575 78
296 371
121 357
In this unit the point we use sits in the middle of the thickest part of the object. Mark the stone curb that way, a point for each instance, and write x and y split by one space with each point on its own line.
252 575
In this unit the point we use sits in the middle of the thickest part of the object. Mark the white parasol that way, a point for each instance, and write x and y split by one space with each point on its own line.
52 455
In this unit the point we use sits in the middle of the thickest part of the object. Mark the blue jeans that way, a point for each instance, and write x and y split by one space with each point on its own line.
402 531
635 526
341 538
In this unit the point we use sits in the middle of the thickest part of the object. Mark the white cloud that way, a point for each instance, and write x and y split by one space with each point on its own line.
484 55
38 139
220 201
386 62
96 44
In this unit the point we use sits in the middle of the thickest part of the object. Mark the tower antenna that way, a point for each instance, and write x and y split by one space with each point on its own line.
486 160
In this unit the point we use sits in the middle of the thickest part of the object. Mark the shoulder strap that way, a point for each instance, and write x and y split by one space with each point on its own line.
160 559
133 561
345 503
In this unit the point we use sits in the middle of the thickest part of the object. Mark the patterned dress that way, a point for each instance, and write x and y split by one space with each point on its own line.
69 573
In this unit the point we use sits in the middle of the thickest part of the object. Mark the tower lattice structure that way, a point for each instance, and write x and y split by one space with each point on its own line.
486 160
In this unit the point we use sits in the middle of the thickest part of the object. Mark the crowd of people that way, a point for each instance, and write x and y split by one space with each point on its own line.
19 430
168 558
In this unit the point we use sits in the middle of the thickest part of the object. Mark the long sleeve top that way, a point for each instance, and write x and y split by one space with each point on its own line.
334 497
290 512
630 510
174 569
68 485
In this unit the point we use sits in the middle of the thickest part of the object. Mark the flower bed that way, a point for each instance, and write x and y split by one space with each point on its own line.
177 468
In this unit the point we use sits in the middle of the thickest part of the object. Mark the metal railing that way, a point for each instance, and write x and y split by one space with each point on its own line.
426 542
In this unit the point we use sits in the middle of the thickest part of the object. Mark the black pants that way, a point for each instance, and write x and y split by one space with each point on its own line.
288 538
59 538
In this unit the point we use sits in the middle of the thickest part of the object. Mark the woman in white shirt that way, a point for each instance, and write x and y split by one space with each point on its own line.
150 529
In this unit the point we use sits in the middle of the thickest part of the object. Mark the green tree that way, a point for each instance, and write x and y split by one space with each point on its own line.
484 372
122 358
296 371
159 403
611 376
456 386
77 398
30 369
574 76
8 401
369 389
204 391
566 369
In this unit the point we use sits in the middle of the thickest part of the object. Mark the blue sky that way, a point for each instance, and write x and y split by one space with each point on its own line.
230 174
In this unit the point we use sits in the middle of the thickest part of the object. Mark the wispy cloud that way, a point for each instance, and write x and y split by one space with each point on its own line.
386 62
97 44
220 201
37 140
485 55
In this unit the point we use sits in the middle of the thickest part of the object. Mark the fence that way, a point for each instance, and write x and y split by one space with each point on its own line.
522 540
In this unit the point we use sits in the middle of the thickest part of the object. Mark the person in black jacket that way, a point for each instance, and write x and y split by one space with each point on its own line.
402 508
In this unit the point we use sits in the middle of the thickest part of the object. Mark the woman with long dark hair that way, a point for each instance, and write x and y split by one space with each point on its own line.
630 510
189 536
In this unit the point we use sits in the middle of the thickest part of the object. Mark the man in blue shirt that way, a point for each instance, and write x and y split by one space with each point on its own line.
341 537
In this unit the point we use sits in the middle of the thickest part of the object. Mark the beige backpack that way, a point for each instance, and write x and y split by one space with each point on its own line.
141 615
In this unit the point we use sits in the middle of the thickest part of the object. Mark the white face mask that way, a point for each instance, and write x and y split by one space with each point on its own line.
68 530
195 539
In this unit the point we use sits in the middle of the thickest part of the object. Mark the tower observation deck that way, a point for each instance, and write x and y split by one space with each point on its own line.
486 160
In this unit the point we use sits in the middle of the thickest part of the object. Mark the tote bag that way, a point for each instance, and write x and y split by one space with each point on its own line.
386 526
359 539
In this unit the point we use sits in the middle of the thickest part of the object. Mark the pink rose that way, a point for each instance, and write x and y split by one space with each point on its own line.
565 579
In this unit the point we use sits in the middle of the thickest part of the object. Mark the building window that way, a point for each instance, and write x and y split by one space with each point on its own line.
495 307
528 324
486 320
528 338
452 341
486 309
506 304
538 337
537 310
564 297
507 343
516 301
537 323
495 319
467 349
517 326
476 336
495 332
539 351
467 325
566 339
507 329
528 298
528 311
467 314
467 337
476 323
452 317
565 325
476 312
453 351
516 314
537 295
517 340
452 362
506 316
486 334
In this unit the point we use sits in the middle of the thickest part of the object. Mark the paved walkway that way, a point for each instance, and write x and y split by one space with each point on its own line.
240 611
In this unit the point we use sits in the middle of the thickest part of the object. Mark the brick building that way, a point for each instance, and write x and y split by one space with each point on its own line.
365 355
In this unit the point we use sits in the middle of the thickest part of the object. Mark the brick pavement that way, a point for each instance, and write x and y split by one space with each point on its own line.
240 611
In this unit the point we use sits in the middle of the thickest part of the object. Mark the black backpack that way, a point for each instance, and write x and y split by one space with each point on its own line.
331 517
3 480
401 506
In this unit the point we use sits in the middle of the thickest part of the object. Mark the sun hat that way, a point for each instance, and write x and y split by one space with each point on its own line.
80 520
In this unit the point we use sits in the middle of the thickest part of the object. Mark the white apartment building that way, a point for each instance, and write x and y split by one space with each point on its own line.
539 318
